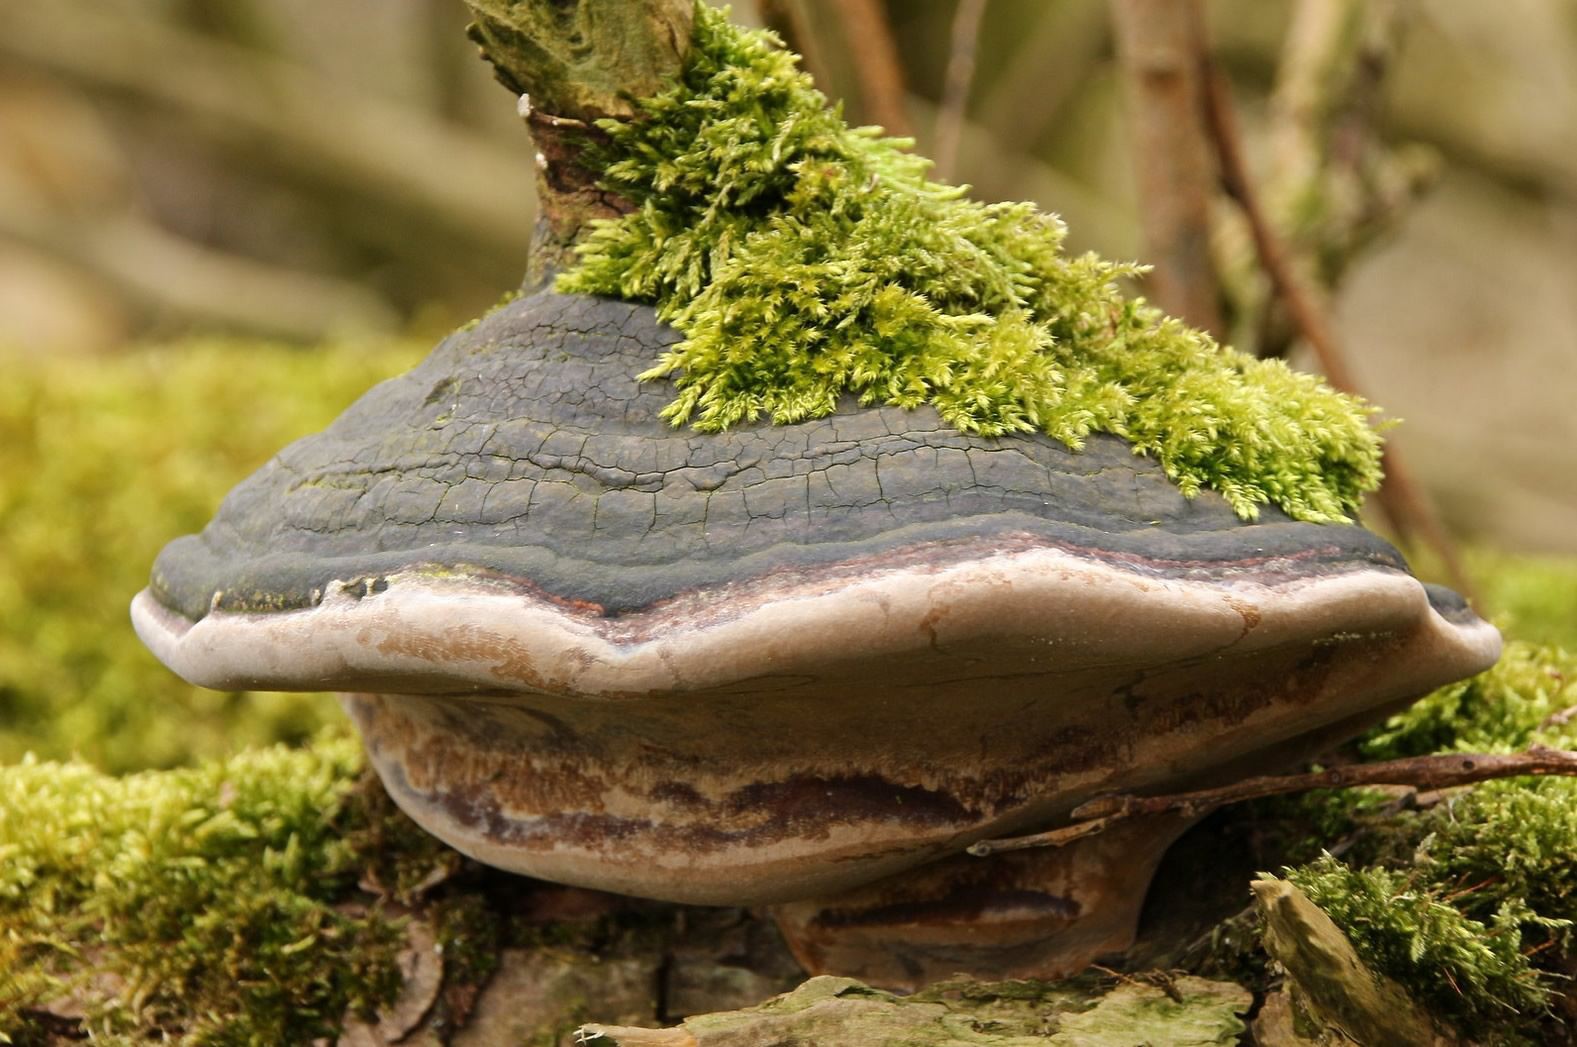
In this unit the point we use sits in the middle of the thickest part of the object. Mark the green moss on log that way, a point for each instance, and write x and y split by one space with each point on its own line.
1470 904
803 260
101 461
198 903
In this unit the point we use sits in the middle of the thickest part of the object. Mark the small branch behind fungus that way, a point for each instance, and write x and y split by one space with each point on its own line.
1171 154
955 86
1420 772
1402 501
877 65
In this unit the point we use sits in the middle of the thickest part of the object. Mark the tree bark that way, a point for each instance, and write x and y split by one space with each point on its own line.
573 63
1175 176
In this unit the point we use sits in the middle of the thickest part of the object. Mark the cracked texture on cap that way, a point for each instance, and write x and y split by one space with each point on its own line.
776 661
525 450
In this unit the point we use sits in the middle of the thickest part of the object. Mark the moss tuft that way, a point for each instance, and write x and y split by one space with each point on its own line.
1516 702
1469 973
1471 903
803 260
199 901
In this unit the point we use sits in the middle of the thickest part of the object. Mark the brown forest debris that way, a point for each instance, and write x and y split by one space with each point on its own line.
1421 772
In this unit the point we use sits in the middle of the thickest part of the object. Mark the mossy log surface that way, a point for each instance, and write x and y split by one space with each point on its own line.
277 896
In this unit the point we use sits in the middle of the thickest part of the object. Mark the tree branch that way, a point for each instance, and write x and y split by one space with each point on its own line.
1400 498
1332 183
167 274
573 62
281 117
1155 41
877 66
965 40
1420 772
1056 59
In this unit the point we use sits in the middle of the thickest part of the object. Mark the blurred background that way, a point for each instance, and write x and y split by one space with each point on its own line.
220 220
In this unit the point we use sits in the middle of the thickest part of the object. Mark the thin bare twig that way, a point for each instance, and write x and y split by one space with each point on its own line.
1559 719
1421 772
877 66
1172 162
1402 501
955 86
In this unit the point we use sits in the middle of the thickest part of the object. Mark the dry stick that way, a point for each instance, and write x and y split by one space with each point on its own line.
1420 772
876 63
1171 154
1400 498
955 86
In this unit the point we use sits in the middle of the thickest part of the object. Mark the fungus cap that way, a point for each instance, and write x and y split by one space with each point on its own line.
775 662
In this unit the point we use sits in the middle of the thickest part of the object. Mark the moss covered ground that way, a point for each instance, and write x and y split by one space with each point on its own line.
251 892
103 461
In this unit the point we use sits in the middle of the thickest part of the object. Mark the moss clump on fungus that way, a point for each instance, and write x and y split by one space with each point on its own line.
101 461
198 901
803 259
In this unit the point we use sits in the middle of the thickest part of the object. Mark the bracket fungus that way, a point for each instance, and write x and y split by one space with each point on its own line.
801 664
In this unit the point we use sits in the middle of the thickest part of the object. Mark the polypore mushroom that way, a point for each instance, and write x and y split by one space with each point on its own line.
780 662
796 663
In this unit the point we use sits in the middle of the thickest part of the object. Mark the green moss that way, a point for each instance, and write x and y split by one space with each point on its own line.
102 461
804 260
1469 973
1504 709
1470 903
1533 598
199 902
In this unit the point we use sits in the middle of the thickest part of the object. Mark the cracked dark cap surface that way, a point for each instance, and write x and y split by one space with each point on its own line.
909 636
523 452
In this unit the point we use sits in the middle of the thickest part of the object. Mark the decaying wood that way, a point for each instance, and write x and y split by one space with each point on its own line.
584 58
1330 983
1442 771
571 64
840 1012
